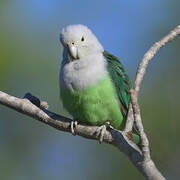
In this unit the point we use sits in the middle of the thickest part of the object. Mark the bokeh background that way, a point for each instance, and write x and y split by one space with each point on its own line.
30 55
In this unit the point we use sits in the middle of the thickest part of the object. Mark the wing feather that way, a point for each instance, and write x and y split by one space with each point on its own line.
120 80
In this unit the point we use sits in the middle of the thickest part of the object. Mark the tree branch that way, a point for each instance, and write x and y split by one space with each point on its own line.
114 137
142 69
134 98
32 107
129 120
139 125
150 54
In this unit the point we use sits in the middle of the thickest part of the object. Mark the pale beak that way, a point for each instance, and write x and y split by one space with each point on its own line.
73 52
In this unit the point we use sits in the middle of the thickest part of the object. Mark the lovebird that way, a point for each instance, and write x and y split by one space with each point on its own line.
94 86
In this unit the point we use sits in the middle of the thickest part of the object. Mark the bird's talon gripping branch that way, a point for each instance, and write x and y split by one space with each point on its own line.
73 127
100 131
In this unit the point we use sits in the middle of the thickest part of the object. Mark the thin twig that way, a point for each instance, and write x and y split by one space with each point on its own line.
129 120
150 54
139 125
142 70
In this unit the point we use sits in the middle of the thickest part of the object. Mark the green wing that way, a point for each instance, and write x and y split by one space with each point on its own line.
120 79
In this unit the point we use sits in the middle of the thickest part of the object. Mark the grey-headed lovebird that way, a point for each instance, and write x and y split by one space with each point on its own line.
94 86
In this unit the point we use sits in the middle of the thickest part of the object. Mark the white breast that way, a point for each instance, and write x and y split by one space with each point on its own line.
80 74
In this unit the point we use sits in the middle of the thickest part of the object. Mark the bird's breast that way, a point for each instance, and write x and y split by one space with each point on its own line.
81 74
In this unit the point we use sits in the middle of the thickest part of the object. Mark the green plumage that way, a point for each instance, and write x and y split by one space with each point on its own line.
120 80
94 105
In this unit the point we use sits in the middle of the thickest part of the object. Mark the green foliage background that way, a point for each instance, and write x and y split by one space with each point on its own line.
29 62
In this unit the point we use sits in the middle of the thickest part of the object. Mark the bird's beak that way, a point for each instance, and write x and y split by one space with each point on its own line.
73 52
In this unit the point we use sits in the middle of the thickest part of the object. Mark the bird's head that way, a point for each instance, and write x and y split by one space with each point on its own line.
79 42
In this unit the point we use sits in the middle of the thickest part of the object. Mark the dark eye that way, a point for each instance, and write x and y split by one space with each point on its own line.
82 39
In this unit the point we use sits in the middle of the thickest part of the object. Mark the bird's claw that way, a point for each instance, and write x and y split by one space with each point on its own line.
100 131
73 127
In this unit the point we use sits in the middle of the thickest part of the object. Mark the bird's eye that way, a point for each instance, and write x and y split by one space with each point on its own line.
82 39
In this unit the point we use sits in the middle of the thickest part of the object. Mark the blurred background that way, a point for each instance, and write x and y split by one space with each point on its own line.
30 55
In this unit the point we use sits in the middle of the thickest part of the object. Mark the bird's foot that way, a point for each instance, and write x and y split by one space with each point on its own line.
73 127
100 131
